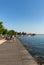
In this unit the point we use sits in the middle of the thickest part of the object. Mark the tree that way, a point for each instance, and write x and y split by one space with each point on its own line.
23 33
19 33
1 27
11 32
4 31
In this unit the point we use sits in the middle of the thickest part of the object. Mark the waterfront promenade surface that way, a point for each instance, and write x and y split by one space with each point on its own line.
14 53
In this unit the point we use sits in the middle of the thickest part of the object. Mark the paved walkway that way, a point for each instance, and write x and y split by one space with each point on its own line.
13 53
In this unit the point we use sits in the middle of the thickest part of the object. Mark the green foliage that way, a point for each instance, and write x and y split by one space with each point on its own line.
4 31
1 25
1 30
23 33
11 32
19 33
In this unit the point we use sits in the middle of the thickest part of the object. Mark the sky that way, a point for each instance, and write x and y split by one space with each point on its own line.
23 15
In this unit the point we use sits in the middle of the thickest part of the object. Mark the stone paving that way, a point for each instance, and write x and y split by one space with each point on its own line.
14 53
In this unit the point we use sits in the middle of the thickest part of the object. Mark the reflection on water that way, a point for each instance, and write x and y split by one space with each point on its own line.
34 44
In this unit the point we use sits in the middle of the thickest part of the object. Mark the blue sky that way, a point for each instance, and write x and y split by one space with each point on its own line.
23 15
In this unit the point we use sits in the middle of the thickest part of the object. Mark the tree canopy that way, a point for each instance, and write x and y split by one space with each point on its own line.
23 33
1 27
4 31
11 32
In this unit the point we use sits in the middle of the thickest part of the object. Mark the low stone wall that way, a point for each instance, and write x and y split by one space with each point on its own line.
2 41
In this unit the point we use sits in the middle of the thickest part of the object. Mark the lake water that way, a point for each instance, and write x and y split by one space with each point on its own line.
34 44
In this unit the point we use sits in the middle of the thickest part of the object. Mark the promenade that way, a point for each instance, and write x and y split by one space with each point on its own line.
14 53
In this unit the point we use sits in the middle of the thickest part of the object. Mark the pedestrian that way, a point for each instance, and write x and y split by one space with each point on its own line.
13 38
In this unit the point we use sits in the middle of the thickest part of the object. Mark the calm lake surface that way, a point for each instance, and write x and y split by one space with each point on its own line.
34 44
